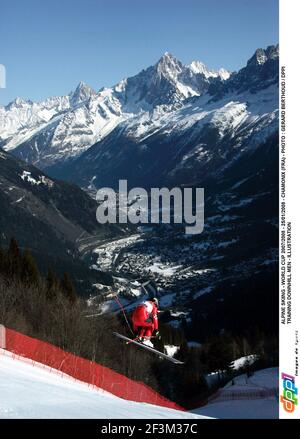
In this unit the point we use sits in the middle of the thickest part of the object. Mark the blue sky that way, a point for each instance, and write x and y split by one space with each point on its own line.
48 46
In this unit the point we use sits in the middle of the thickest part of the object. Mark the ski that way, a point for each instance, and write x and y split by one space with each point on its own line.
148 348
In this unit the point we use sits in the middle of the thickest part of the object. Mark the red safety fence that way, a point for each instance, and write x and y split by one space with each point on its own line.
83 370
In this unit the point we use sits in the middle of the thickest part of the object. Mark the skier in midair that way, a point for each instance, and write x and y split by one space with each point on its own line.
145 321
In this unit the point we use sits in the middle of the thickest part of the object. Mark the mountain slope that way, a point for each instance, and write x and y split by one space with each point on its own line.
46 215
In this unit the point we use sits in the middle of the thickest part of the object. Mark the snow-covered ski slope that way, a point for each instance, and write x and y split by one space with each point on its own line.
239 401
34 391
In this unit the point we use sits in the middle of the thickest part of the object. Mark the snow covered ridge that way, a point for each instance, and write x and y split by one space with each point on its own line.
81 118
60 128
199 67
26 176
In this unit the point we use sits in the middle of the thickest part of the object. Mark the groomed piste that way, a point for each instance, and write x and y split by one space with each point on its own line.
32 390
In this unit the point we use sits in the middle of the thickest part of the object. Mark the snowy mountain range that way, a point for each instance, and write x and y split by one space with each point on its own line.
190 133
58 128
170 122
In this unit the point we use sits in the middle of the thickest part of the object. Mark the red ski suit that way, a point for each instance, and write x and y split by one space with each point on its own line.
144 319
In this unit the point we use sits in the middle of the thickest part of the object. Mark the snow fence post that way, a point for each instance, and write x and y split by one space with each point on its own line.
2 337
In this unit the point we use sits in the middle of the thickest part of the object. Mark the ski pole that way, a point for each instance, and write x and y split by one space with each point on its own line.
123 310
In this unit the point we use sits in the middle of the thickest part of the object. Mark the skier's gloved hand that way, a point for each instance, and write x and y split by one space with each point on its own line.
156 333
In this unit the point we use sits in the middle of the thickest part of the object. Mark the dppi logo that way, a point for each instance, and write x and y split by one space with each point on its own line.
290 391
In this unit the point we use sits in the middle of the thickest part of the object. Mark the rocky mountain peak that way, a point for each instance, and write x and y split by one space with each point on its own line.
261 56
198 67
18 103
82 93
168 65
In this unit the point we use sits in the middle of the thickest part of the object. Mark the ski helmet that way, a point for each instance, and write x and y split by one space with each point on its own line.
155 300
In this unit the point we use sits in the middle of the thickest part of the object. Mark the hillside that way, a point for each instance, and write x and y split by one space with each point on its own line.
47 216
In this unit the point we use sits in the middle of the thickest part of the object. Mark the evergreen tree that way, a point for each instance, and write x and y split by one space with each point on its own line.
29 270
245 346
235 349
14 250
52 283
219 355
2 261
68 288
14 259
